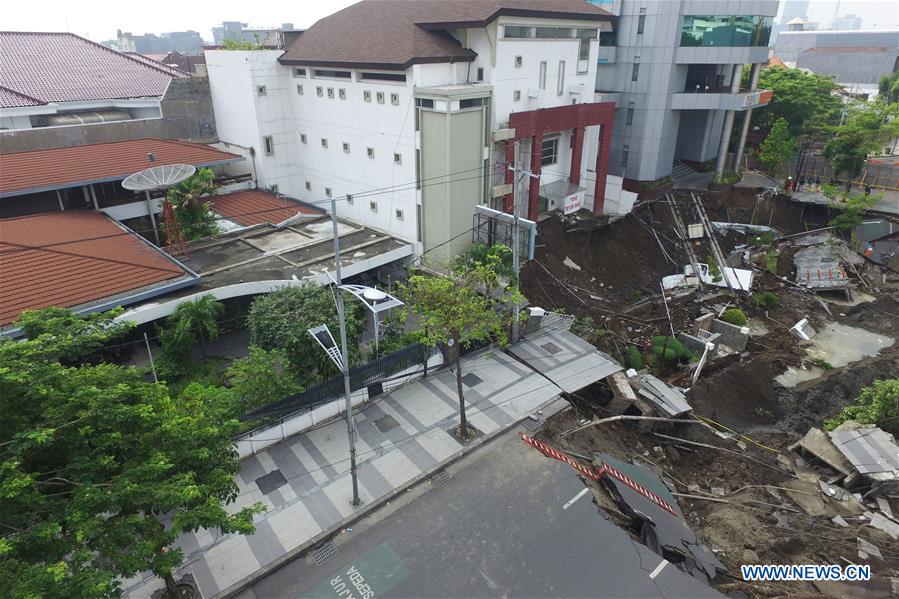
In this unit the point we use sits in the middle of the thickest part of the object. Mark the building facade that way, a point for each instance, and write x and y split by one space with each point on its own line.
242 32
185 42
676 68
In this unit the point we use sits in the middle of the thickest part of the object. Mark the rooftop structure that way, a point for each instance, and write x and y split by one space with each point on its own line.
82 260
255 207
243 32
790 44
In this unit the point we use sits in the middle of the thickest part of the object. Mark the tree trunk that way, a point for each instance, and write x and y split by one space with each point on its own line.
202 341
463 422
170 585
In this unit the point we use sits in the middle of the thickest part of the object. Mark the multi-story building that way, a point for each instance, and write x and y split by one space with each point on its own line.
848 22
242 32
412 112
185 42
676 67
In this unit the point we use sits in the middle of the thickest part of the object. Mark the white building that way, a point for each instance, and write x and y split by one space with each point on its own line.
414 110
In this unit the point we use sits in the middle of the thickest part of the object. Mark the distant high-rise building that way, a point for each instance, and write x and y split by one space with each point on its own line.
847 23
242 32
185 42
793 9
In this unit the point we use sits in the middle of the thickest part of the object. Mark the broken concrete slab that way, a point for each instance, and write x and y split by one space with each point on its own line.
867 550
818 445
881 522
869 449
670 401
839 521
884 506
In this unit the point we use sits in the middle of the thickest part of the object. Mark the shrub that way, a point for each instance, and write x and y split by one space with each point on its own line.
877 404
633 358
670 349
764 300
714 269
263 377
734 316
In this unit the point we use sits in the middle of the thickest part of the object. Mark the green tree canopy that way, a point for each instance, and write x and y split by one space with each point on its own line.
197 319
778 148
877 404
888 87
865 126
100 471
194 217
263 377
804 100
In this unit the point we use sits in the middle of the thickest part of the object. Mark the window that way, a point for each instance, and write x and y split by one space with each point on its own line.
560 89
273 188
542 74
480 73
319 91
260 90
518 61
349 199
425 103
269 146
302 138
635 72
327 192
550 153
395 77
517 31
335 74
395 99
331 93
324 142
417 169
341 93
516 95
553 32
308 185
379 96
471 103
624 155
397 158
300 89
346 147
641 23
585 35
399 215
630 113
298 72
370 152
727 31
366 95
373 206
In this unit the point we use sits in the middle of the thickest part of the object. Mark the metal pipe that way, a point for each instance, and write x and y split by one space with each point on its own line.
150 355
350 424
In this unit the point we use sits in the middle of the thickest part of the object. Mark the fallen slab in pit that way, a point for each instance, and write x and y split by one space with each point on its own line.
668 400
564 358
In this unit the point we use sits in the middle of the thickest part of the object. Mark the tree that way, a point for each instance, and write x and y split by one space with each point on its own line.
457 310
865 127
778 148
805 100
877 404
888 87
263 377
851 207
281 320
100 471
197 319
193 216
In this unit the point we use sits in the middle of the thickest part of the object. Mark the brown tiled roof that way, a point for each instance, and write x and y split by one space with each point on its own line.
394 34
27 172
253 207
10 98
156 63
71 273
63 67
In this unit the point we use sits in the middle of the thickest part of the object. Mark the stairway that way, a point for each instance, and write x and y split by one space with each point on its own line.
681 170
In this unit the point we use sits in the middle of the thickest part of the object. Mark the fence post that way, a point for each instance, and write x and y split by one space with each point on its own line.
427 359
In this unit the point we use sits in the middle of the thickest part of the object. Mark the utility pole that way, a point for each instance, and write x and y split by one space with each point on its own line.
350 424
516 244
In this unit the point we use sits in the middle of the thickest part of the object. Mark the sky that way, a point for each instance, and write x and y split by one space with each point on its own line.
99 19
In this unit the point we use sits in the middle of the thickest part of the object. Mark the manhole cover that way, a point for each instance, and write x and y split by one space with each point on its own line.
271 481
472 379
441 478
324 553
386 424
551 348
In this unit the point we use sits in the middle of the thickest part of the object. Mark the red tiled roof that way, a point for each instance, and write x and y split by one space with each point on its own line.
63 67
394 34
253 207
72 273
27 172
10 98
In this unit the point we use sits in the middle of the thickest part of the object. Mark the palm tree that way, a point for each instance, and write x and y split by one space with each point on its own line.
199 316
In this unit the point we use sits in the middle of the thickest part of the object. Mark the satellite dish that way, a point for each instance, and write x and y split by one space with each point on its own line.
158 177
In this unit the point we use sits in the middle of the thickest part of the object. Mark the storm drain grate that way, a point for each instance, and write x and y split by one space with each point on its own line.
271 481
440 479
324 553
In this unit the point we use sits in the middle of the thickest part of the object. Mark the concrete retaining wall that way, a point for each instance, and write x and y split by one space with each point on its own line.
731 335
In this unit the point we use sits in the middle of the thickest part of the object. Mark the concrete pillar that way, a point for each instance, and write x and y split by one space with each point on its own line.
534 186
728 122
577 150
747 119
603 149
510 174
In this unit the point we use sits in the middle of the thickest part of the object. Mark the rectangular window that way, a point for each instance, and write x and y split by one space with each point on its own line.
397 158
585 36
346 147
515 31
635 72
331 93
630 114
308 185
553 32
417 169
641 24
269 146
425 103
550 154
395 99
561 86
324 142
542 74
319 91
380 97
366 95
471 103
480 73
373 206
300 89
260 90
518 61
327 192
726 31
370 152
335 74
624 155
302 138
399 215
341 93
516 95
298 72
395 77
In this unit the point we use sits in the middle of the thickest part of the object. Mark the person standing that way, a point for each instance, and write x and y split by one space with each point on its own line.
801 183
868 189
817 183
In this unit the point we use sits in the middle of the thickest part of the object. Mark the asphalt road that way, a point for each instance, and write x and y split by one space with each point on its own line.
510 523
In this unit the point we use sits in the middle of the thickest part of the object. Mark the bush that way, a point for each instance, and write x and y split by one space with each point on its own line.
670 349
263 377
727 178
877 404
734 316
764 300
633 359
714 269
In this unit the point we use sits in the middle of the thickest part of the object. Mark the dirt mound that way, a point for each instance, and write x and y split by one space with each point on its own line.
880 316
740 394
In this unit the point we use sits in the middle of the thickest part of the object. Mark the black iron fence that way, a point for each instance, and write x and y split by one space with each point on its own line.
370 374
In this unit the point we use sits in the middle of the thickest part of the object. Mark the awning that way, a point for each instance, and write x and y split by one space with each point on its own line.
565 359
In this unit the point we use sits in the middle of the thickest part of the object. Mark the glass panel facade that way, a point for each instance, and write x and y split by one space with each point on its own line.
725 31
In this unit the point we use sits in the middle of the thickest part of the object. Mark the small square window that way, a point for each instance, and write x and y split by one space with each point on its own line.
480 73
380 97
341 93
319 91
268 145
331 93
346 147
349 199
397 158
300 89
324 142
366 95
308 185
373 206
395 99
260 90
516 95
297 72
303 138
371 152
327 192
519 61
399 215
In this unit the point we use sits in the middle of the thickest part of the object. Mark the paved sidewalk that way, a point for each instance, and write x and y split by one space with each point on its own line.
402 438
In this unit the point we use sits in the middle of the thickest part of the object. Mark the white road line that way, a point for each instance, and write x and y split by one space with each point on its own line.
575 498
658 569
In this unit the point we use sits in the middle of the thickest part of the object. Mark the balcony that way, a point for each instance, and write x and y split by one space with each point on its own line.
720 100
